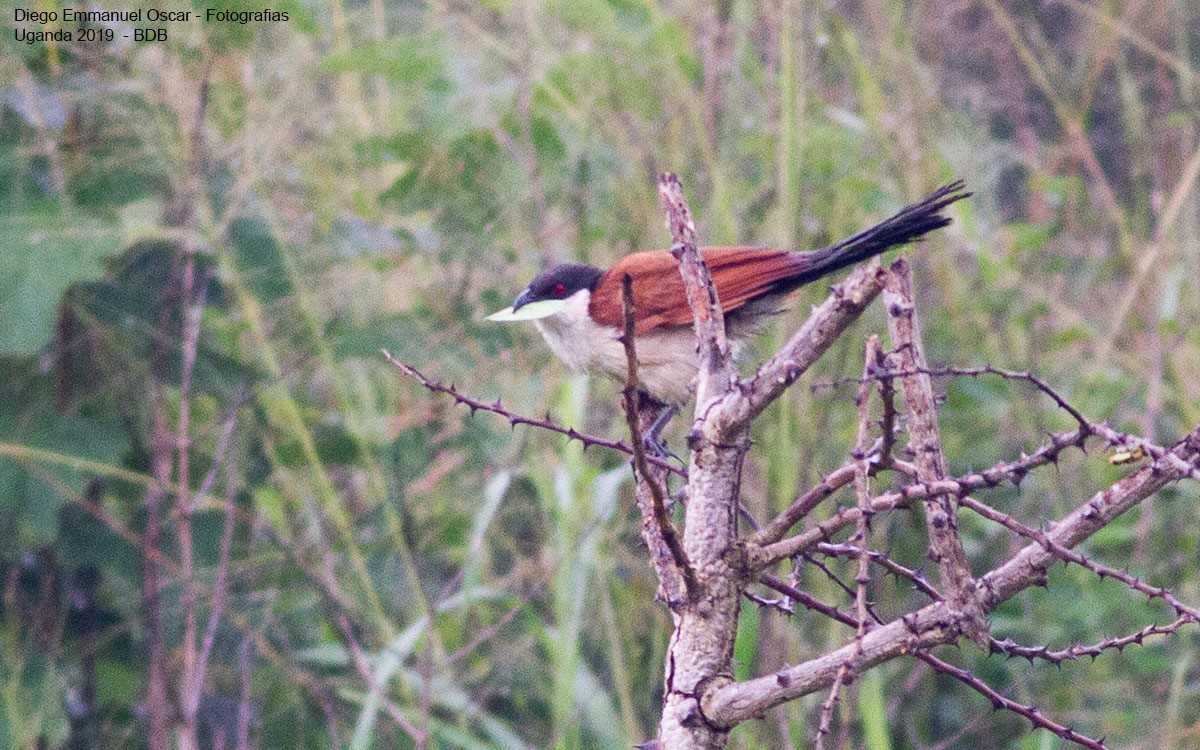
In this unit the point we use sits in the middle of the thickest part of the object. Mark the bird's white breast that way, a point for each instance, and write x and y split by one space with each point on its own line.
667 359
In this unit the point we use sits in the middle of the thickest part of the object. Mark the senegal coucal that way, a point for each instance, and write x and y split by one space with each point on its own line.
579 310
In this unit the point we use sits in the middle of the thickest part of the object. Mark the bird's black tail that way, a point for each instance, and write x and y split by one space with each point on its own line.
910 224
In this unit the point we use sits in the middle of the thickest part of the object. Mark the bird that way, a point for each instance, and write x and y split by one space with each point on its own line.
579 309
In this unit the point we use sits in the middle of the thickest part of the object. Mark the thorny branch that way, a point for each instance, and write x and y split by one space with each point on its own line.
1035 717
766 551
859 539
663 533
1012 649
497 407
945 544
887 376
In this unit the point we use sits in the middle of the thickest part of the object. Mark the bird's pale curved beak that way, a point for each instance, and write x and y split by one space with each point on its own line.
524 307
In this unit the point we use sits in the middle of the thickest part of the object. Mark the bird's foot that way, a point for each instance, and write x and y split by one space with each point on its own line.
657 447
652 438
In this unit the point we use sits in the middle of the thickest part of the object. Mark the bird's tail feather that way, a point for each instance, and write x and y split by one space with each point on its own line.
909 225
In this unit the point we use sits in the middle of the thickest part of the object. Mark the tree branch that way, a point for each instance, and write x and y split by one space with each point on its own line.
1008 472
514 419
945 545
935 624
701 648
715 373
862 525
1035 717
662 532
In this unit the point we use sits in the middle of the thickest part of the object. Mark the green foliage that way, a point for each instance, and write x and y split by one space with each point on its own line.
383 175
45 252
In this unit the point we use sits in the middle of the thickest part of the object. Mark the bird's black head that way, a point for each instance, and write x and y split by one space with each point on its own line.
558 283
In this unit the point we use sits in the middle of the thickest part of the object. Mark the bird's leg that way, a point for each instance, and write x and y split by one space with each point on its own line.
652 437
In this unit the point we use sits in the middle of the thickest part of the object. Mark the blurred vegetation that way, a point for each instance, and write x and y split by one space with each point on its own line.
383 174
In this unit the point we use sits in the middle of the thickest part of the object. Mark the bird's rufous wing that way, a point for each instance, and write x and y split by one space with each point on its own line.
740 274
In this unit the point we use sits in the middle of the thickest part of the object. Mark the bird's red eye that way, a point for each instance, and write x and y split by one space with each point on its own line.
560 289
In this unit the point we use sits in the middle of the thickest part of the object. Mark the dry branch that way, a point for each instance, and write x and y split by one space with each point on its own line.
935 624
666 551
862 491
945 545
844 305
497 407
701 648
1009 472
716 372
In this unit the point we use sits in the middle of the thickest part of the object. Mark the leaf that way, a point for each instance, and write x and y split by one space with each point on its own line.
46 252
34 485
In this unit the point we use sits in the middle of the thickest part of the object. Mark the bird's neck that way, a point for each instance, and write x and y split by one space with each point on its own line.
573 335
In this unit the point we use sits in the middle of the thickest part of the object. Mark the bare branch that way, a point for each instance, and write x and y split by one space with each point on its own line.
702 643
1065 554
1035 717
664 533
863 492
845 303
1008 472
1011 648
887 423
936 623
515 419
805 599
716 373
945 545
805 504
900 571
886 376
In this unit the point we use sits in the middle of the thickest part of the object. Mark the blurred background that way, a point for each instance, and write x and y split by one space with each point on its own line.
401 573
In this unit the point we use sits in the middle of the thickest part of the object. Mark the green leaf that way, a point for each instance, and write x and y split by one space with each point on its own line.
46 251
33 487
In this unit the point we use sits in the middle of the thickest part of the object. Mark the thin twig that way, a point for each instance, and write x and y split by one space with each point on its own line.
808 601
666 529
886 376
918 579
1035 717
859 539
1011 648
887 423
513 418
